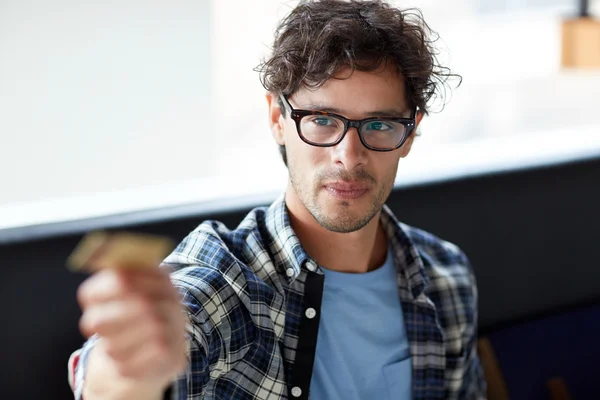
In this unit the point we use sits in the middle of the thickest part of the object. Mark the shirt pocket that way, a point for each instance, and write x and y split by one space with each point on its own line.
398 379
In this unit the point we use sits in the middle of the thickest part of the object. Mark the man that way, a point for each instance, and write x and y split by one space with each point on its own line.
325 293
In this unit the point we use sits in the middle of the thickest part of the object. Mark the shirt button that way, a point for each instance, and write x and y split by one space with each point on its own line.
296 391
290 272
311 267
310 313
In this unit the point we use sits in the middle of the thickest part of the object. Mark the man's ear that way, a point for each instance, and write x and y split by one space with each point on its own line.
405 149
276 120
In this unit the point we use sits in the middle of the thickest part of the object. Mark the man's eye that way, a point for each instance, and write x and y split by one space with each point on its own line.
323 121
378 126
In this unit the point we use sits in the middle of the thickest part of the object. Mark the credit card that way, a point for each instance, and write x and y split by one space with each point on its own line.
100 249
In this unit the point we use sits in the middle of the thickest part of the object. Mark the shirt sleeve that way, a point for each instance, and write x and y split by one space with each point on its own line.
77 364
474 385
193 381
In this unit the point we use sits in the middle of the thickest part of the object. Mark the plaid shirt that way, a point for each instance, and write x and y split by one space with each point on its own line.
247 291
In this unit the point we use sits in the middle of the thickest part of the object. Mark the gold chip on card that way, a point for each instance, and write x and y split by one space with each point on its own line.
100 249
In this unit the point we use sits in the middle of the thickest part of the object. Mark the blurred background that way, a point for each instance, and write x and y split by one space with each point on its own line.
102 104
148 116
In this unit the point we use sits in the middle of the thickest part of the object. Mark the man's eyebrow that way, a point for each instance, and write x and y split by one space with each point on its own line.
377 113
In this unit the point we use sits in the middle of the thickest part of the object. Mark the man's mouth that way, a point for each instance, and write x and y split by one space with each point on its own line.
346 190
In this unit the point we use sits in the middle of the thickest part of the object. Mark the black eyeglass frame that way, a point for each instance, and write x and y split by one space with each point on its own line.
298 114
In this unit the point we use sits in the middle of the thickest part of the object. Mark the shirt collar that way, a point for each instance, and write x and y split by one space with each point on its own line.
408 262
291 257
287 250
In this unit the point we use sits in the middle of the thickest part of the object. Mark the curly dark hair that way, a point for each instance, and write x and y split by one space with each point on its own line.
320 37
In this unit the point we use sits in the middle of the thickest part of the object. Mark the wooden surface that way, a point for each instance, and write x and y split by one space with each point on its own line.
496 389
558 389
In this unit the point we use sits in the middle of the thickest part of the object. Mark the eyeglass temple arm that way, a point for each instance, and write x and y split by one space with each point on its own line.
288 107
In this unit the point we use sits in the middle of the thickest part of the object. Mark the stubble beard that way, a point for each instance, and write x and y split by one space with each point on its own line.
344 219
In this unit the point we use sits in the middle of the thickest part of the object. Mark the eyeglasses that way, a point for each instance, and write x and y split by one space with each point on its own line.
325 129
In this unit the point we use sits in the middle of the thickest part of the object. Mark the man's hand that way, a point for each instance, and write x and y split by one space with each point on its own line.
141 325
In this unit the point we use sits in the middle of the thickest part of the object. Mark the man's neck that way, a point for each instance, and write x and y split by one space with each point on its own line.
356 252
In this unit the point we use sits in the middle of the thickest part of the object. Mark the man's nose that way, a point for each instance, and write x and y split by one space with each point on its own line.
350 151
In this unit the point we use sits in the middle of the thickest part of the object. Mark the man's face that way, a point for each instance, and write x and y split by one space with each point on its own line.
344 186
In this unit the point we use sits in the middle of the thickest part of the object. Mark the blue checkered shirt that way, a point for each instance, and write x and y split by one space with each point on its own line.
247 290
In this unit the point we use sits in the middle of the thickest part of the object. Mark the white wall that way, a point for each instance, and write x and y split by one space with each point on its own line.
99 96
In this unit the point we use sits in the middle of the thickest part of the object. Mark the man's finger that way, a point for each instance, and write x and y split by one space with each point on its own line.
110 285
